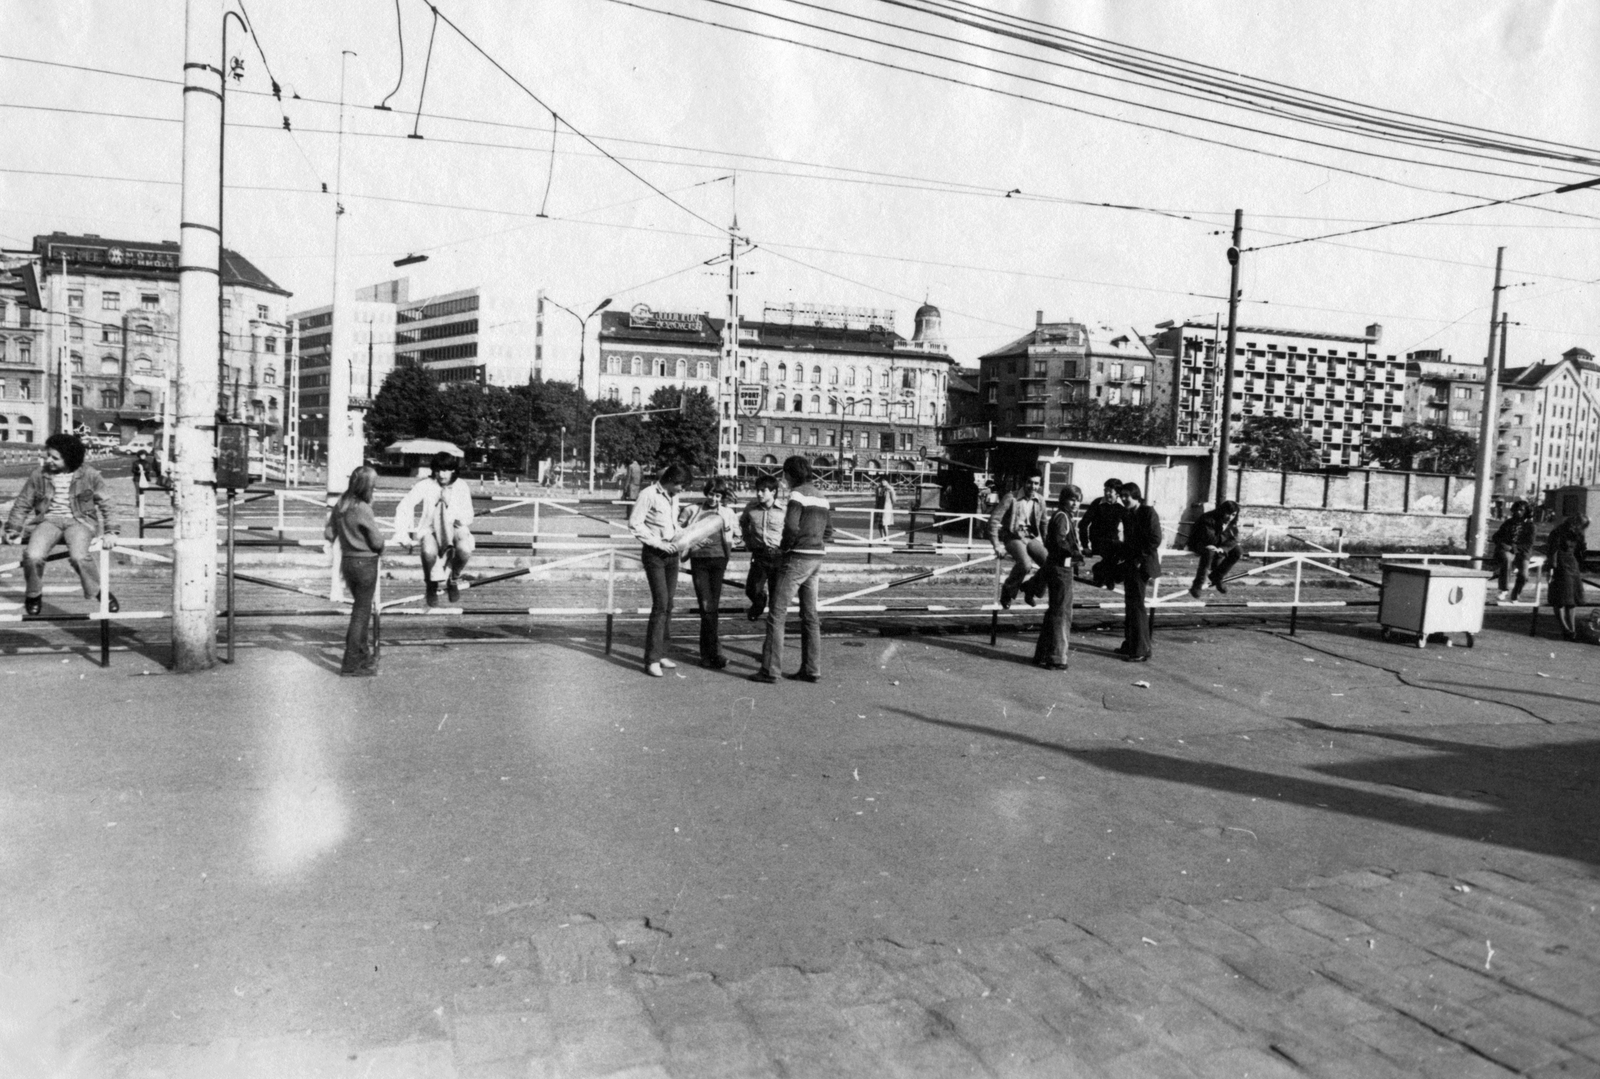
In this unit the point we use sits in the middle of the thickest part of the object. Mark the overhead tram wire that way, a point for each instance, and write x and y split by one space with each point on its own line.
519 84
1074 109
990 70
1425 140
1241 83
955 185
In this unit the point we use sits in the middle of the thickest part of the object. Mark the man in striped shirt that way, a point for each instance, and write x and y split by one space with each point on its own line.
807 528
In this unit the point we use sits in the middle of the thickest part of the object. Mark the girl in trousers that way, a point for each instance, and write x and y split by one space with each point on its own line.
654 520
1064 556
1566 550
708 564
360 543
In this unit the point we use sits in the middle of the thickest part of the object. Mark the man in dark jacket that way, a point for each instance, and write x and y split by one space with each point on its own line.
1215 538
1062 558
1100 533
807 528
1513 542
761 524
1141 562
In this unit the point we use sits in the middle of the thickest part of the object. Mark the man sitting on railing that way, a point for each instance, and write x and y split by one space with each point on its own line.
62 501
1017 529
1215 538
446 526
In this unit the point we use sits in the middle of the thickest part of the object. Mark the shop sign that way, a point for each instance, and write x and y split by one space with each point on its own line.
972 432
641 317
749 394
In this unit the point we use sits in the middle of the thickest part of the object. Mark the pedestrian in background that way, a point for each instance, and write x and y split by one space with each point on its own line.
1215 538
1513 543
883 505
1566 548
654 521
65 501
146 471
632 480
1015 529
443 502
1141 563
1062 556
761 524
708 565
353 525
807 528
1100 534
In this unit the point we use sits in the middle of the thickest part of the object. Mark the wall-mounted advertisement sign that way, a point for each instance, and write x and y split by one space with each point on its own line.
641 317
749 394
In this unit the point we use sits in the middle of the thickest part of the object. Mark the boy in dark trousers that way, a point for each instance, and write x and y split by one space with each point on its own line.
1100 533
1215 538
761 525
1141 563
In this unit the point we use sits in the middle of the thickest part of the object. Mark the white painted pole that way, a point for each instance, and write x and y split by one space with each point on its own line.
194 505
344 447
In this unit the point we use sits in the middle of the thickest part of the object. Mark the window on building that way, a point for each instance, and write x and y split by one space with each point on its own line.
816 376
110 335
702 370
24 352
761 434
1114 395
227 304
829 437
269 376
270 343
150 301
261 312
108 398
765 373
833 376
816 403
783 372
110 301
75 300
799 403
811 437
141 399
76 360
681 369
637 365
778 401
994 395
794 436
636 398
883 378
109 365
863 440
849 376
886 441
74 330
658 366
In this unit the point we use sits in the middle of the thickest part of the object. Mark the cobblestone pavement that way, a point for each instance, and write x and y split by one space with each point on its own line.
1369 974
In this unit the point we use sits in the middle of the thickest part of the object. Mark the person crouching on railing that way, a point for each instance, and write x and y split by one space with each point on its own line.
62 501
1215 538
1014 529
761 524
1513 543
1063 556
446 527
352 523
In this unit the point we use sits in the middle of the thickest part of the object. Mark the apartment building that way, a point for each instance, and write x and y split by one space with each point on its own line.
24 369
1548 432
1042 384
1343 392
1444 393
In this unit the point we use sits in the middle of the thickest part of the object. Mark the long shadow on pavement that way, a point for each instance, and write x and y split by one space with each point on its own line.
1538 799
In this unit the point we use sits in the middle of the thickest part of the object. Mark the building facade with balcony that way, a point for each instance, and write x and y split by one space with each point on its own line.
1044 384
1548 432
1338 387
24 372
374 313
833 384
113 318
1444 393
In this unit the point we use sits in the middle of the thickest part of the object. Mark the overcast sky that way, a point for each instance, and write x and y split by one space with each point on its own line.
859 184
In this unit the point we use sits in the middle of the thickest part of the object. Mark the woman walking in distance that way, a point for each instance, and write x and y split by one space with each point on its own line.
61 501
654 520
807 528
353 526
1062 557
708 564
1566 550
1141 554
446 527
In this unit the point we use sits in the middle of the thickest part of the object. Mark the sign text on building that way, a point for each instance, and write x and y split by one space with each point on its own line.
839 318
640 316
116 256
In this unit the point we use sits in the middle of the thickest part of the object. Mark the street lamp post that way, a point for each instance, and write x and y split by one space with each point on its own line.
593 424
583 328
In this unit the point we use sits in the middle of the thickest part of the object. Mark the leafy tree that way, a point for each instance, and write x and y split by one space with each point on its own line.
1427 447
619 441
468 415
1275 442
407 406
688 437
552 406
1143 425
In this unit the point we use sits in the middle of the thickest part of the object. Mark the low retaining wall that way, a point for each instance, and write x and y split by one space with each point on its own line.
1367 528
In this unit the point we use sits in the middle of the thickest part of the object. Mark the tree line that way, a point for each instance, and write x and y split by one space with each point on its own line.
512 428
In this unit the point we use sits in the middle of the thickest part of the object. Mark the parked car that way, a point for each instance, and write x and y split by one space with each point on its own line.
137 443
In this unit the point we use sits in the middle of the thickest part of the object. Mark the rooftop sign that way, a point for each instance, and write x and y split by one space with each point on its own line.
641 317
839 318
115 256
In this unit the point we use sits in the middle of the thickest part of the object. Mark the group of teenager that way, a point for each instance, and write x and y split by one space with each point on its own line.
1565 549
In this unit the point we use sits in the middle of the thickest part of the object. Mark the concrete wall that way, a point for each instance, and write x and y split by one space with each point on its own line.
1371 506
1389 531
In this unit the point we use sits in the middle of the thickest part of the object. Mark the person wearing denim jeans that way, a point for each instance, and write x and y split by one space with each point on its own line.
654 520
352 524
807 528
761 524
1063 557
708 565
64 500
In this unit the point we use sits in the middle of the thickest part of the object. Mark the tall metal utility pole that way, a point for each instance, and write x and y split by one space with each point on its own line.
194 506
1226 429
1479 525
727 393
344 443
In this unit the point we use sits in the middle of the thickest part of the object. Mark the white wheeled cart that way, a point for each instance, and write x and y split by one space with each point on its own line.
1420 601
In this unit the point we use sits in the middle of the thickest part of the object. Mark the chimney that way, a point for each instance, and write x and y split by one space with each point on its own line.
1375 331
1038 318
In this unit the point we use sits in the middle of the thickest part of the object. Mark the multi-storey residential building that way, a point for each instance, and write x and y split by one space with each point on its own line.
24 374
374 313
1336 385
837 385
485 335
1042 384
113 317
1548 434
1444 393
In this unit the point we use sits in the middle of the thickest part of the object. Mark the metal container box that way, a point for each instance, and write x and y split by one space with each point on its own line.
1428 599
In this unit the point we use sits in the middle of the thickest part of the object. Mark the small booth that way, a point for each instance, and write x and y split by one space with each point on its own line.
411 456
1423 600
